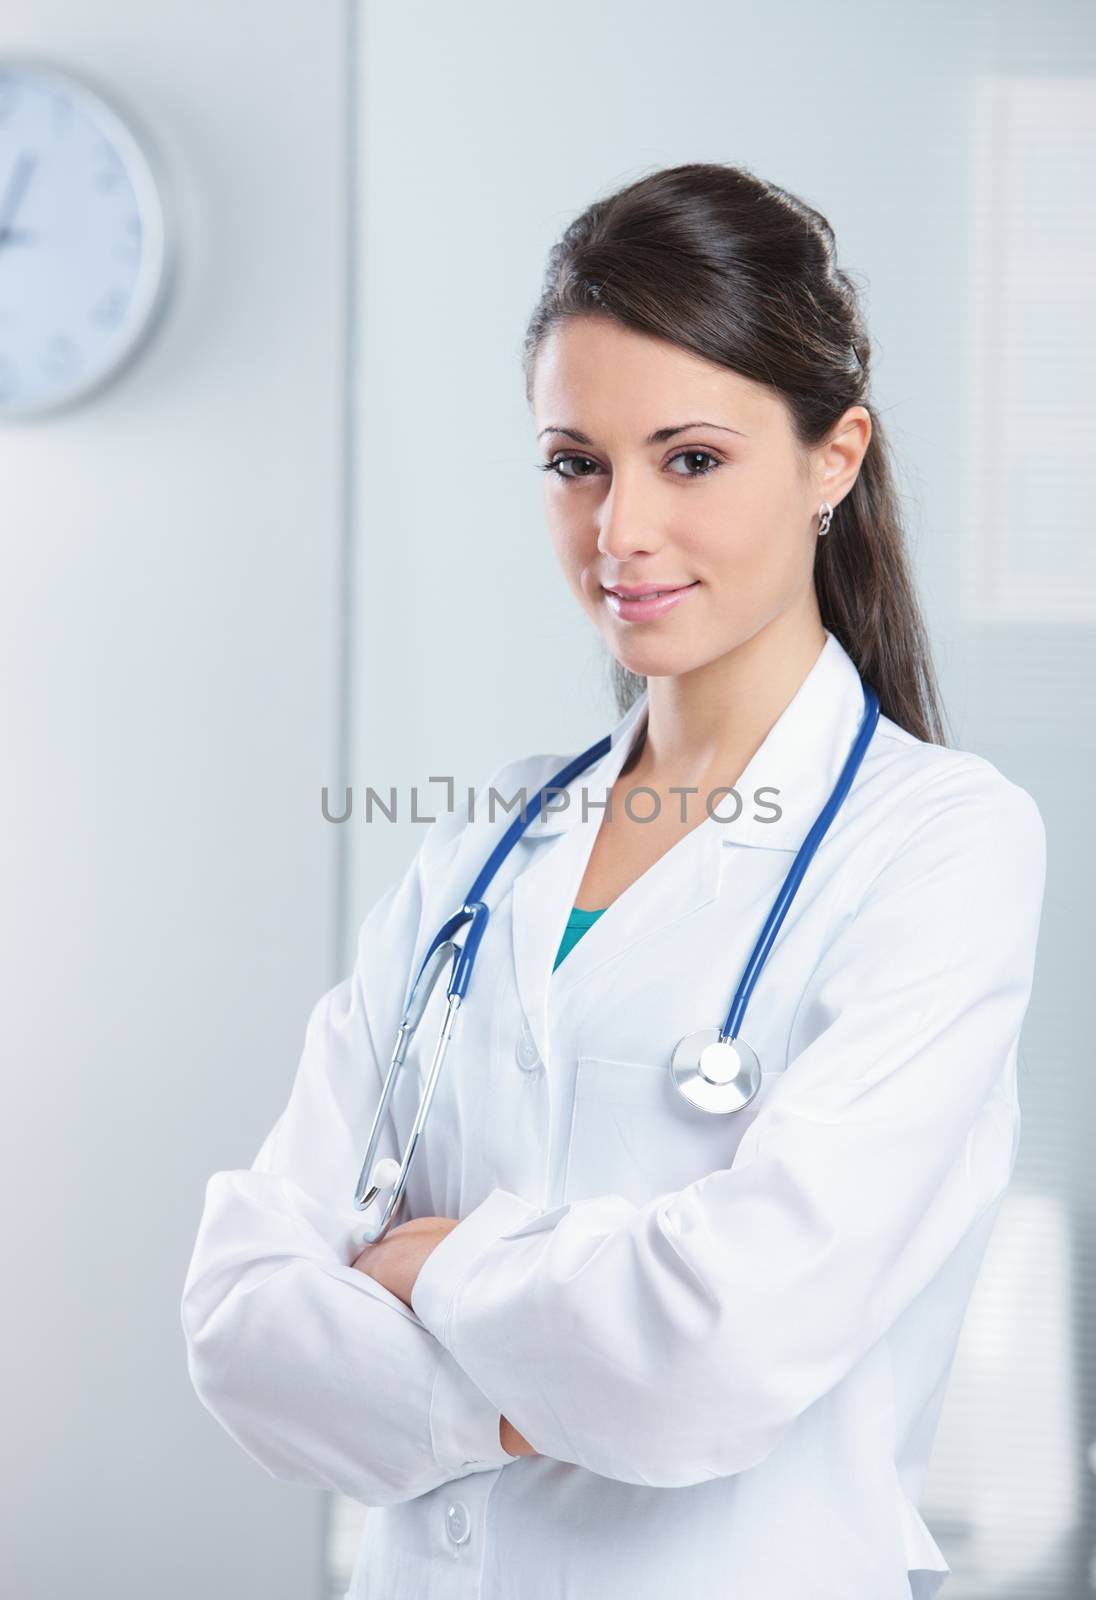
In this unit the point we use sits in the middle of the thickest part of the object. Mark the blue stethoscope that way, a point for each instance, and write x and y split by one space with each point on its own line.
714 1069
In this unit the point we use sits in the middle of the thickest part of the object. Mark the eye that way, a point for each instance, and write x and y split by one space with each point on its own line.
692 455
558 463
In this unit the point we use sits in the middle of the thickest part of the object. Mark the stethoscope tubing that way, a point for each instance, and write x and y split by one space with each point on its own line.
796 871
474 914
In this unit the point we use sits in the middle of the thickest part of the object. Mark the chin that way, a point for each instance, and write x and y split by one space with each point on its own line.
656 664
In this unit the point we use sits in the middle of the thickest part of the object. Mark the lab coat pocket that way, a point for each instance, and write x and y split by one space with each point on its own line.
539 1224
633 1134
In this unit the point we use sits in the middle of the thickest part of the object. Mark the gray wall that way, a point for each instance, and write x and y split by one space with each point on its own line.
169 618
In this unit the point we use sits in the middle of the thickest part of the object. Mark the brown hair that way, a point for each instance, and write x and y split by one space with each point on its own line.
742 273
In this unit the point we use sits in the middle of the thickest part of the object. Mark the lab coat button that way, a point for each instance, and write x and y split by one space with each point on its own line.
458 1524
526 1051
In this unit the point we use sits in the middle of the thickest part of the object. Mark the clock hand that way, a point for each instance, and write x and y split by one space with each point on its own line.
17 188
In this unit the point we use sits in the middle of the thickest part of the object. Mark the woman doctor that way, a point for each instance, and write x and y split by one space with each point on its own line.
612 1345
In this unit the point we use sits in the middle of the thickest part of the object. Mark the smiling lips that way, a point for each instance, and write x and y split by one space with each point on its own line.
643 602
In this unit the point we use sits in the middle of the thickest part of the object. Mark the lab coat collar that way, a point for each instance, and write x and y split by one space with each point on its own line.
592 786
801 757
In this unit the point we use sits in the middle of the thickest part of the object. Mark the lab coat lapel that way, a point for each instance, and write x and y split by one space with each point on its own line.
683 879
557 846
800 759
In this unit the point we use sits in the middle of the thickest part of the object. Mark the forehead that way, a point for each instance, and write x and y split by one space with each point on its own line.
595 374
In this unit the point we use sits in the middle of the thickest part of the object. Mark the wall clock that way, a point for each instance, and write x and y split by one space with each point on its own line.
83 248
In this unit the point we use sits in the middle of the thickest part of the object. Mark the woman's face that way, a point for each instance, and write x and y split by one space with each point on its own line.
722 511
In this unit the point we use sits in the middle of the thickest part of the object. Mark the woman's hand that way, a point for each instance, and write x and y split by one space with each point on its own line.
396 1261
513 1441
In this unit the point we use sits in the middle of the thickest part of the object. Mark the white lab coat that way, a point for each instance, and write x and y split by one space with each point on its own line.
727 1336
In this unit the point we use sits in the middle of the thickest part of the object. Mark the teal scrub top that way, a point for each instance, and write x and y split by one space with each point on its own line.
577 924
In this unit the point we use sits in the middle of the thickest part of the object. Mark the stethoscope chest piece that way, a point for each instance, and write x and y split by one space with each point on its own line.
715 1073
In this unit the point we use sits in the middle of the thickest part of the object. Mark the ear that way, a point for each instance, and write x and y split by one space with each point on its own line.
837 460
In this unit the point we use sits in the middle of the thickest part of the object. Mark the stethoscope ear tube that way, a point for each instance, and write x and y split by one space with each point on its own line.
376 1176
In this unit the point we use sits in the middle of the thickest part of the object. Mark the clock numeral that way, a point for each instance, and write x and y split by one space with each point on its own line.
62 358
108 311
110 174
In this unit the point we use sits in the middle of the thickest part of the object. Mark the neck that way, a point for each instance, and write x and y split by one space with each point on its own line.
704 726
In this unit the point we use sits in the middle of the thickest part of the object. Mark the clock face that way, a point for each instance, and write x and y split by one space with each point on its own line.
81 241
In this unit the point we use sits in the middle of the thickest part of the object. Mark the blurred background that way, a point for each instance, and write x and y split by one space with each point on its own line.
245 531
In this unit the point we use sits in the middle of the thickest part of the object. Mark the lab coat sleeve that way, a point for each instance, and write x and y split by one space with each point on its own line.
314 1368
678 1340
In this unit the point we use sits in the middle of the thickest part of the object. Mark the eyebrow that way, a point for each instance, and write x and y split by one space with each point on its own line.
660 435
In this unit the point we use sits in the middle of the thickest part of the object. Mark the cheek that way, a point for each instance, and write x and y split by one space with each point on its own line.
756 534
574 546
767 569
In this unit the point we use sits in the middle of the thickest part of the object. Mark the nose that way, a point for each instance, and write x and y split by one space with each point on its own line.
626 520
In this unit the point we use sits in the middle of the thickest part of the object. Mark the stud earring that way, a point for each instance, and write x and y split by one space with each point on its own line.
825 515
